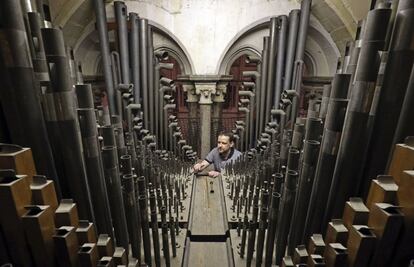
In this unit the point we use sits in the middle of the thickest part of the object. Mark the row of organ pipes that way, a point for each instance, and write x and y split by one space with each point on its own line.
127 166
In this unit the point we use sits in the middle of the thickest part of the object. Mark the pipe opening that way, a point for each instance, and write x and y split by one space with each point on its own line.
365 231
61 232
391 210
85 248
8 179
34 210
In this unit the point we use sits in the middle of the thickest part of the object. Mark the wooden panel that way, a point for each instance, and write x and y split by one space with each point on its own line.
207 215
14 196
17 158
355 212
39 227
405 199
402 159
43 192
382 190
208 254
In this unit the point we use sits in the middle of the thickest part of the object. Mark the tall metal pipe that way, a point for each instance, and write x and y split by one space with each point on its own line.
135 56
93 161
121 17
150 66
305 7
325 101
143 44
113 184
19 94
337 106
280 58
154 227
131 215
272 225
39 58
61 118
263 87
392 93
101 24
285 213
405 127
270 84
291 47
355 136
307 174
353 60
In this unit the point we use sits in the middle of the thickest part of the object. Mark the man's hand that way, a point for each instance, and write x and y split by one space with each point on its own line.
213 174
197 167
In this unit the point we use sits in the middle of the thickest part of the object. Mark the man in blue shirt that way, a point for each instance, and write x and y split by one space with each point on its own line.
220 155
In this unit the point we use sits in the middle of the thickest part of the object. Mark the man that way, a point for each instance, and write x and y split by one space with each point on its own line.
220 155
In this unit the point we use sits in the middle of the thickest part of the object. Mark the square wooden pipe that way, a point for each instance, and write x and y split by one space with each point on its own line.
67 214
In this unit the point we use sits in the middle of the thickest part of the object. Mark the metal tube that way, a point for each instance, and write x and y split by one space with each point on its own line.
337 106
270 84
263 87
285 213
272 225
60 102
264 211
291 45
135 56
305 7
244 234
113 184
116 72
298 136
250 243
150 66
313 129
355 136
100 14
121 17
131 212
405 127
307 174
353 60
143 208
280 60
23 114
38 58
325 101
154 228
94 169
392 93
143 44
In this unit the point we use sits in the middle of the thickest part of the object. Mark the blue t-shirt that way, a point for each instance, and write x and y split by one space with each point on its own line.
218 161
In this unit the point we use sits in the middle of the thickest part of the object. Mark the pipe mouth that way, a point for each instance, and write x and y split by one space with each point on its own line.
9 148
8 179
340 250
33 211
365 231
62 232
85 248
392 210
313 142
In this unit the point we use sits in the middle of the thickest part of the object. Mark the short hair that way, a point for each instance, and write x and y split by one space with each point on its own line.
230 135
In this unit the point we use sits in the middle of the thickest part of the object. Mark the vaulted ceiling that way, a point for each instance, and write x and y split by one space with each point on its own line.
338 17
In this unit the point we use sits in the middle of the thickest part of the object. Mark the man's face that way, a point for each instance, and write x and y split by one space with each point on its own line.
224 144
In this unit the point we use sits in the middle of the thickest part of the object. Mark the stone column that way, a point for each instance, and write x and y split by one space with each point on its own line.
205 91
218 99
192 100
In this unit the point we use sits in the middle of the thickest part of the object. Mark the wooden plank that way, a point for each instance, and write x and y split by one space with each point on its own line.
208 254
208 215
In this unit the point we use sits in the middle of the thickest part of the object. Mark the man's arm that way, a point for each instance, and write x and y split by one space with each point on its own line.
200 166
